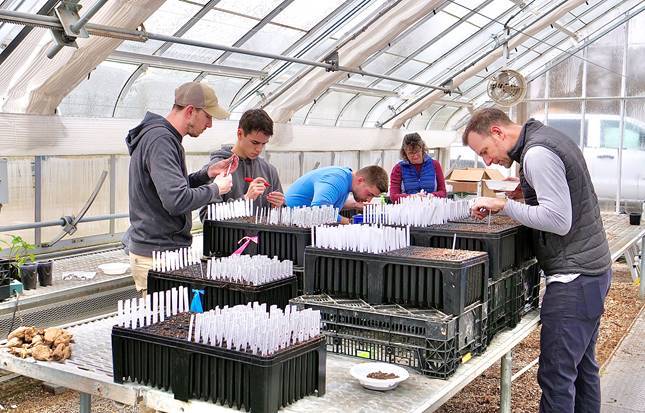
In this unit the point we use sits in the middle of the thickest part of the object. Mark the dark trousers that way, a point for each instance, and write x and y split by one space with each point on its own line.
568 372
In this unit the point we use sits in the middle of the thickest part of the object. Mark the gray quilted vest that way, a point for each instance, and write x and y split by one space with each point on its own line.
584 248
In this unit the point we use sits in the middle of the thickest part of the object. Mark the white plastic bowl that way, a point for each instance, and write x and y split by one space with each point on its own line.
114 268
360 372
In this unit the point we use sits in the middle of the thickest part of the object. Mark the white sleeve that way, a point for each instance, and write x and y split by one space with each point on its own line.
545 172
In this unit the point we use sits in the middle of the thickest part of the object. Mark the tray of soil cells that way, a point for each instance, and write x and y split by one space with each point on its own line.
427 340
160 356
413 276
218 293
286 242
507 243
511 296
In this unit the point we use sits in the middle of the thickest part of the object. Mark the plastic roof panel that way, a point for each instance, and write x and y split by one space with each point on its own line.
252 8
228 29
435 26
167 20
154 91
355 111
305 14
269 39
325 111
96 96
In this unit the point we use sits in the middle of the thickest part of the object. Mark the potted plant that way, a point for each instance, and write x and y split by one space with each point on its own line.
22 260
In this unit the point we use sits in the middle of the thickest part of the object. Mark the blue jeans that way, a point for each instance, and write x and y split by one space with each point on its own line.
568 372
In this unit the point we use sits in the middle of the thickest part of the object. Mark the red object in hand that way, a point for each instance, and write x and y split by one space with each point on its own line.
247 179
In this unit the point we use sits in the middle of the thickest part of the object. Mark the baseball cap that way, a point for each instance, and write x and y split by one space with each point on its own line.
201 96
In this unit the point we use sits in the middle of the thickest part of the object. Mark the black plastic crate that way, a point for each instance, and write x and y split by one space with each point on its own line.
219 293
530 285
427 340
389 278
287 243
511 296
507 242
232 378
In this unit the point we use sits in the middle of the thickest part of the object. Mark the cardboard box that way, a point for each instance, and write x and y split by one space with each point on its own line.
471 180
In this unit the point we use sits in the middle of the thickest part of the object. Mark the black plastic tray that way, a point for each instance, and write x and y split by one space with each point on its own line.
508 245
448 286
232 378
287 243
427 340
220 293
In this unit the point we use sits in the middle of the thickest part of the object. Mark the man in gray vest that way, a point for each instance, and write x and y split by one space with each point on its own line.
570 244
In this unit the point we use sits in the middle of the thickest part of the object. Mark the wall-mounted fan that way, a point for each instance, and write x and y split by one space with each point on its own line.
507 87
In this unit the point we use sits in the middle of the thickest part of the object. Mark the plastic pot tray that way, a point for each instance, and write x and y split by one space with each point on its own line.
427 340
232 378
287 243
507 243
388 278
220 293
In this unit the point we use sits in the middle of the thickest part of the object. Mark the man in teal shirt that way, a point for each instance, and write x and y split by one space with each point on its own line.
331 186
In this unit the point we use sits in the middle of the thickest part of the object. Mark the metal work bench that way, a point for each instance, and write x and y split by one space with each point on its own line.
623 240
89 371
70 300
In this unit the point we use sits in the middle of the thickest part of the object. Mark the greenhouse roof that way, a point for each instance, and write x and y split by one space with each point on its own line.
433 58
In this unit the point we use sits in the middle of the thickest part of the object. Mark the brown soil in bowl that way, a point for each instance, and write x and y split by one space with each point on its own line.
382 376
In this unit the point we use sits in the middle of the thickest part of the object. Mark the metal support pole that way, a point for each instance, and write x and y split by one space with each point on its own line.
60 222
641 292
623 92
87 16
506 376
86 403
38 185
112 192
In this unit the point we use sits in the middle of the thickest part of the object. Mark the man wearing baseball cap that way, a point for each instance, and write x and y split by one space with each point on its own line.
161 193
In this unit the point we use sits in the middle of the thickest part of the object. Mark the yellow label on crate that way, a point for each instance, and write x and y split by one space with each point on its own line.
363 354
466 358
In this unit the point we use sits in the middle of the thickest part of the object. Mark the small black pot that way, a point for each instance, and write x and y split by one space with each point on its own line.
635 218
29 276
45 273
4 288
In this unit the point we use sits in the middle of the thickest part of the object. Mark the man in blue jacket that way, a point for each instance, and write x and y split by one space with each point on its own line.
161 193
331 186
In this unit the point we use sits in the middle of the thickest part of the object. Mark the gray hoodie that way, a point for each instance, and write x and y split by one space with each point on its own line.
247 168
162 194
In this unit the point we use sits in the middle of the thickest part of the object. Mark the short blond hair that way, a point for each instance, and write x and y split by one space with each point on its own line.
375 175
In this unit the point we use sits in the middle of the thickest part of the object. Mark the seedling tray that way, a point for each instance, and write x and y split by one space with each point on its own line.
232 378
507 243
412 276
427 340
286 242
219 293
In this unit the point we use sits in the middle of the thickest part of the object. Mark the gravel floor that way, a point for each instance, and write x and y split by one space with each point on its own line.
481 396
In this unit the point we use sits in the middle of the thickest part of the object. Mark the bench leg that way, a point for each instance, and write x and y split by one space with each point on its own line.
506 374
